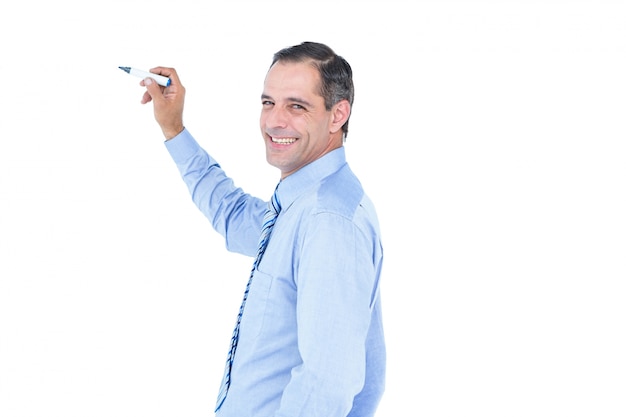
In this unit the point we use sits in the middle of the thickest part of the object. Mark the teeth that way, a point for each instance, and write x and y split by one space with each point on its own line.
284 141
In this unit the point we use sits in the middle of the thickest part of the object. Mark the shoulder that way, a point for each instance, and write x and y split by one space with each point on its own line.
340 193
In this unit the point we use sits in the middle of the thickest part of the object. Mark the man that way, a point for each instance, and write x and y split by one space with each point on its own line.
309 338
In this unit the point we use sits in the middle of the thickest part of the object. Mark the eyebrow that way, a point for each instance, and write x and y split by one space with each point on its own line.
289 99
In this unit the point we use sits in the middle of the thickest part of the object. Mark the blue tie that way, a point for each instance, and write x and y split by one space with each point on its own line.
268 222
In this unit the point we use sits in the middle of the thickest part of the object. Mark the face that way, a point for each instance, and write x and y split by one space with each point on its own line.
296 127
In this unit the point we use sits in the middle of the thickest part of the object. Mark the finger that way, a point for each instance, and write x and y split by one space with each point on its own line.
146 98
153 90
167 72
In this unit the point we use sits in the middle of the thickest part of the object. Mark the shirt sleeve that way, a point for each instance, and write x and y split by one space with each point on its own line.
336 280
234 214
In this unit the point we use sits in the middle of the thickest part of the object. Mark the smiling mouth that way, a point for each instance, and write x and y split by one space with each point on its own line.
283 141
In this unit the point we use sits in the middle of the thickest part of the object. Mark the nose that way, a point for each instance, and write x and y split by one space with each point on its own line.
275 117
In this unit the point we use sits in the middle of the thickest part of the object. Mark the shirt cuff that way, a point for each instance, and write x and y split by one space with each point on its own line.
182 146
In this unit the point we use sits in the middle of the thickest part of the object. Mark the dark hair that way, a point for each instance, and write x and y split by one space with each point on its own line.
335 72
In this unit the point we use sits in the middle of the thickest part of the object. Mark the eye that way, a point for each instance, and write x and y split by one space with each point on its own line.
266 103
297 107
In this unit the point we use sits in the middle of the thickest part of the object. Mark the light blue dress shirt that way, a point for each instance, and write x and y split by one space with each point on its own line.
311 338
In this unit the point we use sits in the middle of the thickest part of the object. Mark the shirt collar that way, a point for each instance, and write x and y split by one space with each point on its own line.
309 176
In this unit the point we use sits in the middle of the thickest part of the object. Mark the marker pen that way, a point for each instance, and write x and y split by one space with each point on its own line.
161 80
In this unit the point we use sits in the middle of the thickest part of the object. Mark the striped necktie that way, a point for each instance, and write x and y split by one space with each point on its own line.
268 223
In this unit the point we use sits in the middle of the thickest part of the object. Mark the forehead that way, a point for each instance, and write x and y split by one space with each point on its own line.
289 78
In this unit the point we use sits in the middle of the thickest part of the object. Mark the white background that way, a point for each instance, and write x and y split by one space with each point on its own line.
490 135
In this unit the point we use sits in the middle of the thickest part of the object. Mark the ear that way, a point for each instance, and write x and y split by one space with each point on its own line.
339 115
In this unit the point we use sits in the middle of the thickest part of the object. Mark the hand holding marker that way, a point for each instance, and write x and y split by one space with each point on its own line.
161 80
